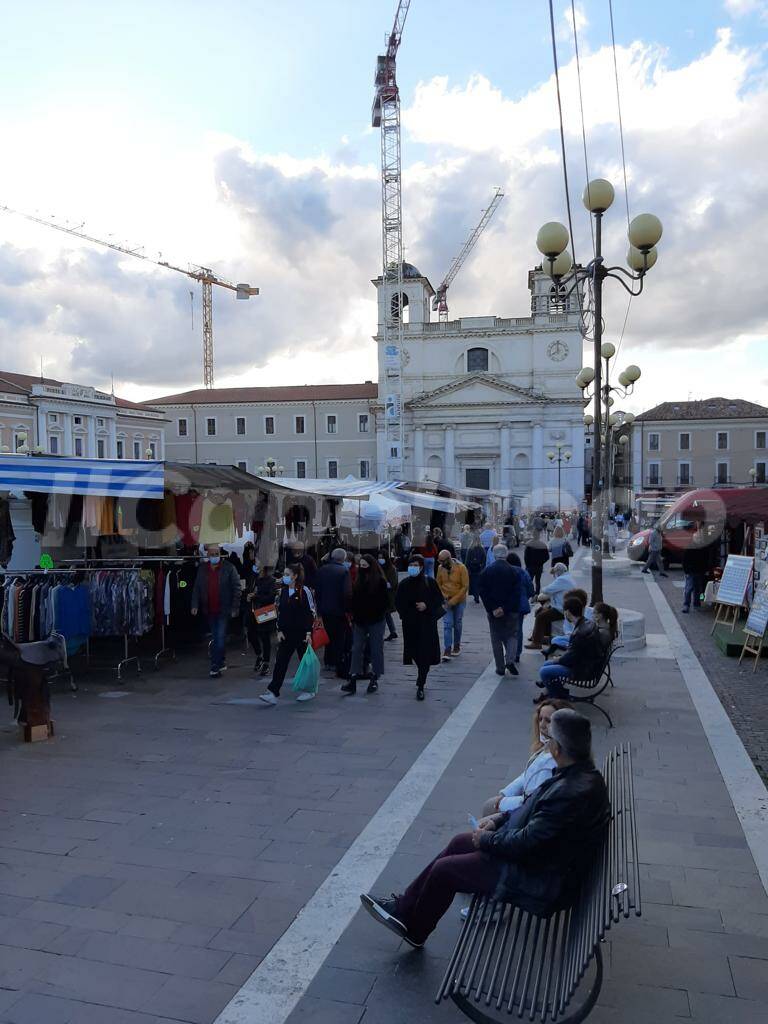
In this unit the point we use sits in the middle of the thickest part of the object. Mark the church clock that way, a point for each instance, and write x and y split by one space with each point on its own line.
557 351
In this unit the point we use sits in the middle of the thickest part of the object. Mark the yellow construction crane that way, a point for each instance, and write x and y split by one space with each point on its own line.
204 275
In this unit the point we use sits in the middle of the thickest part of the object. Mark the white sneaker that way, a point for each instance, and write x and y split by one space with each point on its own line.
269 698
306 696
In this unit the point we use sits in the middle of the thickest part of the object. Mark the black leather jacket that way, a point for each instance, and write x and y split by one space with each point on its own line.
550 842
585 652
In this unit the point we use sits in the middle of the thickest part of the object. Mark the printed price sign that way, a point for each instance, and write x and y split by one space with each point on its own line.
735 582
757 622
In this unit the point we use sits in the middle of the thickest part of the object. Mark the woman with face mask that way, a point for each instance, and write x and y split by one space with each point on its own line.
369 605
260 592
419 604
295 616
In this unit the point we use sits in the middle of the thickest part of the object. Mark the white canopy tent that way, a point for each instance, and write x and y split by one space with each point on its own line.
382 510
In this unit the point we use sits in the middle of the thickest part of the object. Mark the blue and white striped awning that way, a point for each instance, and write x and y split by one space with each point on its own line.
98 477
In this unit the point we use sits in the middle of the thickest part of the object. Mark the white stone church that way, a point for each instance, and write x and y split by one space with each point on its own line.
486 398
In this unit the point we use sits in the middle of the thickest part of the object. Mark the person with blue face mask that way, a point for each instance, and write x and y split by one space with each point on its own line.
419 604
216 592
295 616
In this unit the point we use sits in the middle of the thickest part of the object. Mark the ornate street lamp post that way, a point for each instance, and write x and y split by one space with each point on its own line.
559 457
271 469
644 233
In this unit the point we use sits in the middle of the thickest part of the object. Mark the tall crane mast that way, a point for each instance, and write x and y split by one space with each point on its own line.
204 275
385 115
440 301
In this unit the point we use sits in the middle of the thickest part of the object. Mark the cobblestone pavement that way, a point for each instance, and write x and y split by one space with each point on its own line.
153 853
742 692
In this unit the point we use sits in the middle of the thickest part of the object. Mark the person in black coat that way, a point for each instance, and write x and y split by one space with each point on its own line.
295 618
582 658
419 604
370 600
333 589
475 563
536 556
534 857
697 561
260 592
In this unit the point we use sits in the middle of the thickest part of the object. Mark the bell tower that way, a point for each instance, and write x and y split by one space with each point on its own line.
417 298
549 298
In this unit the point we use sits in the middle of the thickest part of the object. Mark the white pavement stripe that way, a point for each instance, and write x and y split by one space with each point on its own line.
281 979
745 787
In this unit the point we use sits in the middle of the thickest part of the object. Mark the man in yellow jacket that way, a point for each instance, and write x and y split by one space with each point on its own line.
453 580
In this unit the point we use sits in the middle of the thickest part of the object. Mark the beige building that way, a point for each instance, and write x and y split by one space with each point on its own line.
677 446
76 421
313 430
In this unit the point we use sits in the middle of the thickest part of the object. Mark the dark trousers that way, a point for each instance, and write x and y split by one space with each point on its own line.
694 585
542 624
389 619
339 646
535 575
218 625
260 639
504 638
293 643
459 868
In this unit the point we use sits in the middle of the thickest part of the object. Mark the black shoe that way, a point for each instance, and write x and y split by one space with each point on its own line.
350 687
392 636
646 570
383 911
264 669
663 574
513 669
501 672
373 686
419 693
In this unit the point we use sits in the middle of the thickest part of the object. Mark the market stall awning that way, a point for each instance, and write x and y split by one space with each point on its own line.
185 476
433 501
318 487
97 477
381 510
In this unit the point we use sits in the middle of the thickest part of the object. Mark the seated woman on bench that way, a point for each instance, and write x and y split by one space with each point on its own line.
604 616
581 660
534 859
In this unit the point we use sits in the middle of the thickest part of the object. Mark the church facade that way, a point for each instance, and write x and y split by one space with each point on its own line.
486 400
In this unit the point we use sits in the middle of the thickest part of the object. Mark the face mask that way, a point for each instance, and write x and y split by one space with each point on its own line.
363 565
287 580
347 566
215 559
381 561
543 738
255 568
414 570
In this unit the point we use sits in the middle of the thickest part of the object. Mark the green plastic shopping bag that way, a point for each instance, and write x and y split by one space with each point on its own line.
307 675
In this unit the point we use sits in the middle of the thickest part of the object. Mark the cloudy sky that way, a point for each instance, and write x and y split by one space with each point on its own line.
239 138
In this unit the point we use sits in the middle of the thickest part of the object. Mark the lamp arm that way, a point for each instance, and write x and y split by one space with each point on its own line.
627 288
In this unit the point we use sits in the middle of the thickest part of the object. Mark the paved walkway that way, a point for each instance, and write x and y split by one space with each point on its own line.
155 852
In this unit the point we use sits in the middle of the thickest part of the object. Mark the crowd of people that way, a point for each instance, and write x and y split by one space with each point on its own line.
358 599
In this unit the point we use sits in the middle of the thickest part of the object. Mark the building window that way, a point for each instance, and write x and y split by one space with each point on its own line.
653 443
121 449
333 469
760 472
365 469
240 426
479 479
301 469
243 465
210 426
269 424
53 417
362 423
760 438
684 442
100 449
477 360
153 450
137 449
298 424
721 473
77 420
684 474
79 447
722 440
53 445
330 423
181 427
654 473
99 421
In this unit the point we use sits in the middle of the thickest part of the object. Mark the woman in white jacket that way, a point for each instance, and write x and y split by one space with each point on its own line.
540 764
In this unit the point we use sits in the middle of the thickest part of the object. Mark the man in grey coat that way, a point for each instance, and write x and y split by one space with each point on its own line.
216 593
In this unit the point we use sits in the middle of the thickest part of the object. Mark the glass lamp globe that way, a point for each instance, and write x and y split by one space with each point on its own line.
551 456
558 267
552 239
623 439
589 420
611 401
607 350
640 262
586 376
614 418
629 417
598 195
645 231
624 379
567 456
633 373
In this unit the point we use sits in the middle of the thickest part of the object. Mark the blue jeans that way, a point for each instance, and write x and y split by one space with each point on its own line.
552 675
694 584
217 625
452 621
429 567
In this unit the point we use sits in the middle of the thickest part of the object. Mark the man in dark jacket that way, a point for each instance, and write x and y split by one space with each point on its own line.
499 588
534 857
581 659
697 560
216 593
333 589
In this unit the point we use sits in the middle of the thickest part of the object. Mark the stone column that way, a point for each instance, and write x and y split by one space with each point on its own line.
419 467
112 445
91 453
67 444
505 462
537 465
449 457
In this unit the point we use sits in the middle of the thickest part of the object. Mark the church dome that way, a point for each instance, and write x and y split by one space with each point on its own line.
410 271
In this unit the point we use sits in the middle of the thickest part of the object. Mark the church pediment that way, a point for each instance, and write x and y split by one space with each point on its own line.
476 389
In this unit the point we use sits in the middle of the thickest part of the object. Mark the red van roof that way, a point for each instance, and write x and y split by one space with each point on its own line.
737 504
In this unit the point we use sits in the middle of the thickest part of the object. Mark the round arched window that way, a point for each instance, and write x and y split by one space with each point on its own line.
477 360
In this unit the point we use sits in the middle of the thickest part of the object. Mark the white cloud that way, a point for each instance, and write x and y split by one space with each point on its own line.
740 8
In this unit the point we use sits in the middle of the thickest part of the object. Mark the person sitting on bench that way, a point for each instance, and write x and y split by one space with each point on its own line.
534 859
582 658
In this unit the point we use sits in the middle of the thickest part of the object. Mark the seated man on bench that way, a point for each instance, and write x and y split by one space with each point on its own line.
581 659
534 858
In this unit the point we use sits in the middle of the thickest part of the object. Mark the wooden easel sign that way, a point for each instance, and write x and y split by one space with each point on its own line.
756 627
732 592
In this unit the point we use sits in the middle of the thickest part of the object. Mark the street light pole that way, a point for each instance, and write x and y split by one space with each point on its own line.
597 476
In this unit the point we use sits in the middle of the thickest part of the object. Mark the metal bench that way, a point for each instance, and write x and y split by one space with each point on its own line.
513 962
595 684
